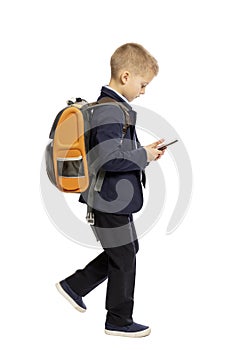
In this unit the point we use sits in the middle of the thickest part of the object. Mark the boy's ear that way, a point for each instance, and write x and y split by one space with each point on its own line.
124 77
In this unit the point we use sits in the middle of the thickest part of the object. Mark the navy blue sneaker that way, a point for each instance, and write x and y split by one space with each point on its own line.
134 330
75 300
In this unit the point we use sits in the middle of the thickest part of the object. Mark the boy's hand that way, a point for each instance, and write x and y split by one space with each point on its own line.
152 152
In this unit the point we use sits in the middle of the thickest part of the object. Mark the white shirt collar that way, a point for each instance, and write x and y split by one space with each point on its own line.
116 92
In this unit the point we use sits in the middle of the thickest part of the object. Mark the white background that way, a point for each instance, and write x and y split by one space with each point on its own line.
52 50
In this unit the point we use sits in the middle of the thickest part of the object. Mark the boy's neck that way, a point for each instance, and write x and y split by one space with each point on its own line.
116 87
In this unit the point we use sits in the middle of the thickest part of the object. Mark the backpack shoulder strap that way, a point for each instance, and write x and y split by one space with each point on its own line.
98 182
123 107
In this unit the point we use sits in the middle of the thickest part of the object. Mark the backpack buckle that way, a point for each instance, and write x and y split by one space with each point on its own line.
90 218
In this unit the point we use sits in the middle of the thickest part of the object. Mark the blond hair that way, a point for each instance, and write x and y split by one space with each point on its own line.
133 57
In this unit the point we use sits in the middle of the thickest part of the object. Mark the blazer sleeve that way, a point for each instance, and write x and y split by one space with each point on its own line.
108 122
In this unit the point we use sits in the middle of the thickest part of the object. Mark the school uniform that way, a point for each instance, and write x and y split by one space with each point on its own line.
123 160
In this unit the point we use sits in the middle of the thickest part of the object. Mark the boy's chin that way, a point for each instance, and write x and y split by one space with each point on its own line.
133 98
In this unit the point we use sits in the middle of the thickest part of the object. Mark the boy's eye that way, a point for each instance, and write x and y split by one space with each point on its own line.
143 86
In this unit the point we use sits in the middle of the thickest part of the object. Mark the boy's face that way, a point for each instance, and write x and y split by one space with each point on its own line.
135 85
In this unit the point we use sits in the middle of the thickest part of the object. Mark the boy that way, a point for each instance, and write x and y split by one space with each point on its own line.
122 162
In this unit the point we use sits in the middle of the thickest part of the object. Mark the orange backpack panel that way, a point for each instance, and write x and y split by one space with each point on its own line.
69 156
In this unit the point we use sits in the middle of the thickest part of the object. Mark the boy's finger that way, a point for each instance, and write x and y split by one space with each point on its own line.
158 142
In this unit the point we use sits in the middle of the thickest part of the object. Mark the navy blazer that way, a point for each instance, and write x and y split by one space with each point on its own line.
119 155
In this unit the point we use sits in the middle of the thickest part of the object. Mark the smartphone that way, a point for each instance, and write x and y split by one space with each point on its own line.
161 148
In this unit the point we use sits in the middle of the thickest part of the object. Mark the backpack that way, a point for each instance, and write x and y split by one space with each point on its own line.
67 164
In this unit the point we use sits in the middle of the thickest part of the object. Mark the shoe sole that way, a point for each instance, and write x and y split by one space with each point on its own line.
68 298
129 334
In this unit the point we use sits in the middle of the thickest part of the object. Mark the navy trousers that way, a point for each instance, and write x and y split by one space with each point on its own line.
117 263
